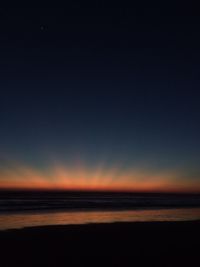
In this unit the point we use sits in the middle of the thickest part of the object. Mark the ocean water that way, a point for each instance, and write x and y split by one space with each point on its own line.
49 201
19 210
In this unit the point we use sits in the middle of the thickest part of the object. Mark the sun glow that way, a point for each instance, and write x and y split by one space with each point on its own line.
60 177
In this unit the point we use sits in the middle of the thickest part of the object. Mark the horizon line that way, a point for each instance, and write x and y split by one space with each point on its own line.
98 191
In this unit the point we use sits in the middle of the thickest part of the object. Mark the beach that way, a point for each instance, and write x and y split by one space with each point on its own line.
107 244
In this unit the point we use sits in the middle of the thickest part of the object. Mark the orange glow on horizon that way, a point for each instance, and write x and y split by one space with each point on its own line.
98 179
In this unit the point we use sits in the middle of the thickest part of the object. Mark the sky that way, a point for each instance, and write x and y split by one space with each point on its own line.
100 98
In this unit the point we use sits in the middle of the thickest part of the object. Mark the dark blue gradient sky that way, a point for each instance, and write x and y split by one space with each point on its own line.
101 86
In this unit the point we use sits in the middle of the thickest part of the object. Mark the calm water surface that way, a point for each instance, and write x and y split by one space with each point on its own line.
16 221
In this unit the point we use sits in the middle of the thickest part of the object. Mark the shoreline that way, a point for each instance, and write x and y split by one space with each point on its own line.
96 224
37 219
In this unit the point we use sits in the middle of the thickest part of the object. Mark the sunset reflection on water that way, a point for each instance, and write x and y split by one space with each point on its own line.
16 221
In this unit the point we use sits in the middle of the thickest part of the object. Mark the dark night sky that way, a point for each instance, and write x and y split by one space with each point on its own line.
109 88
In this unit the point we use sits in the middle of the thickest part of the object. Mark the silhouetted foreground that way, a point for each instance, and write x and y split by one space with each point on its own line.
120 244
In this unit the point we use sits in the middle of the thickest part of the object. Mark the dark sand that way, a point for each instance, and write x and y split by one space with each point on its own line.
120 244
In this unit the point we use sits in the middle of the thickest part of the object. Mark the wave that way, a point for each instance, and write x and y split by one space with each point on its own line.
17 202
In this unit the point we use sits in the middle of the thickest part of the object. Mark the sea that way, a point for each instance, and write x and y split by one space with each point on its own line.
28 209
